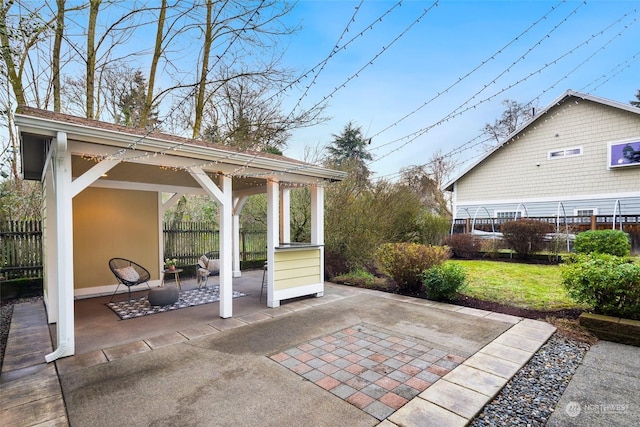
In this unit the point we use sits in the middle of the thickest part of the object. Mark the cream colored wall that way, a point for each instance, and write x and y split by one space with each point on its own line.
296 267
110 223
512 172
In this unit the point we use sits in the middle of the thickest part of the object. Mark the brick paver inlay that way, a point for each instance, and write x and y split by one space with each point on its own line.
371 369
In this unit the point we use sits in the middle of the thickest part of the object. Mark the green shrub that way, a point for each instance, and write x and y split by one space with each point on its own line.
405 261
463 245
526 236
358 220
612 242
433 229
443 282
610 284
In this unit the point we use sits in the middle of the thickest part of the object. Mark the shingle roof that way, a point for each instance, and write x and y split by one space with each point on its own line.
143 133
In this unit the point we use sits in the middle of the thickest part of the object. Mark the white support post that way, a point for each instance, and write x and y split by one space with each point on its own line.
317 215
285 215
64 246
238 204
273 235
224 197
235 235
317 226
50 264
226 255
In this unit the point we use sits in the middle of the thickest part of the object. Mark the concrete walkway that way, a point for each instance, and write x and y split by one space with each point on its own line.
604 391
30 392
227 372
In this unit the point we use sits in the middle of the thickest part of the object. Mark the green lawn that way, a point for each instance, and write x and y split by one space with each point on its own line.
536 287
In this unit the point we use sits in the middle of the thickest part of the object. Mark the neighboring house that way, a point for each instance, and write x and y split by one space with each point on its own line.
580 156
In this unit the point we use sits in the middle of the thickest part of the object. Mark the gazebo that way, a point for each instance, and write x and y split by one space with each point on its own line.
103 187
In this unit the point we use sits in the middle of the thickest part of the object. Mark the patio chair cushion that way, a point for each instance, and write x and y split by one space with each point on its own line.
213 266
128 274
203 262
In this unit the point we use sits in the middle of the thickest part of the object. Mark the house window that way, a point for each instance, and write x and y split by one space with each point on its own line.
508 214
585 212
564 152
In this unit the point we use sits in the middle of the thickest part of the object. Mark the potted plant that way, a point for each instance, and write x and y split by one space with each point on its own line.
170 264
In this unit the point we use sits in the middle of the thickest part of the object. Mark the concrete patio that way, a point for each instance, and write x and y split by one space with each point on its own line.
352 357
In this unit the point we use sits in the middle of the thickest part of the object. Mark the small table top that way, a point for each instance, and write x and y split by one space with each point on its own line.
175 270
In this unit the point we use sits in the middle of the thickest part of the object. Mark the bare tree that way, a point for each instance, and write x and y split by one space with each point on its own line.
157 53
241 115
204 70
20 34
427 180
90 73
55 54
514 116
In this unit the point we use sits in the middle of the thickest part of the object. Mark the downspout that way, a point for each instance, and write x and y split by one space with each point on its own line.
64 223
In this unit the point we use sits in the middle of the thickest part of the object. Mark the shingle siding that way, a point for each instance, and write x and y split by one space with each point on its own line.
511 174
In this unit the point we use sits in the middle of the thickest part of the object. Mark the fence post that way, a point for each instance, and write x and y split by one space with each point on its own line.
594 223
243 245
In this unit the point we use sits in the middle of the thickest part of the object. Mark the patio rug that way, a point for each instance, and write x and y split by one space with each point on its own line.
139 307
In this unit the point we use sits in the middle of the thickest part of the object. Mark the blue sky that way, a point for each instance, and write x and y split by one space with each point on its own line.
452 39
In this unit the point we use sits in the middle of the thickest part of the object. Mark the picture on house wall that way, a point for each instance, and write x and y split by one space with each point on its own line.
623 154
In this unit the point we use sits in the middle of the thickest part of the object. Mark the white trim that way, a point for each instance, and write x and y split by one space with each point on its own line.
285 214
620 141
314 288
156 188
108 290
551 199
565 153
594 210
92 175
273 235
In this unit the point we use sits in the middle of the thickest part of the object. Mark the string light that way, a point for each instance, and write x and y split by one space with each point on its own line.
458 111
484 62
384 48
338 49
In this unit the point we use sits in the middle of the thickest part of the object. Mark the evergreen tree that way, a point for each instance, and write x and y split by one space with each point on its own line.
636 103
132 102
349 150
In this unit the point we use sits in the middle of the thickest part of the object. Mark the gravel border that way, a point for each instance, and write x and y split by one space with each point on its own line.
530 397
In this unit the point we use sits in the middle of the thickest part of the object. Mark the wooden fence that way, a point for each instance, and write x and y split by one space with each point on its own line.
21 245
187 241
20 249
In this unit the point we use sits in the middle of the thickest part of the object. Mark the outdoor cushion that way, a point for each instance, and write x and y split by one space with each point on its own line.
203 262
213 266
128 274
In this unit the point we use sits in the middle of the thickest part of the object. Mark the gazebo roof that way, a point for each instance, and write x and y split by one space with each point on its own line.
133 145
